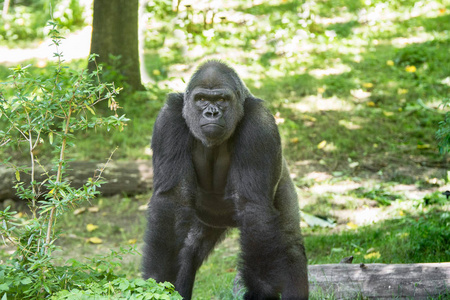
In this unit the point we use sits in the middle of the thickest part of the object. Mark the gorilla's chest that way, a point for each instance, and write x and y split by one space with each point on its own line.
211 168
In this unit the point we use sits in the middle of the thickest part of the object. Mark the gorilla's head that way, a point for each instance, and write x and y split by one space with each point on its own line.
214 102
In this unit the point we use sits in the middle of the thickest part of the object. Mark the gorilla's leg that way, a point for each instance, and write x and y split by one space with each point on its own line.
199 242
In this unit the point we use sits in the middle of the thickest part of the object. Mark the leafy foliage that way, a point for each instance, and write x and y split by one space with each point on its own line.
26 21
75 280
51 110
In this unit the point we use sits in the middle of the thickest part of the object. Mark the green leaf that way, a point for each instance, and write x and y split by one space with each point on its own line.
90 109
124 284
17 175
4 287
50 137
312 221
139 282
26 280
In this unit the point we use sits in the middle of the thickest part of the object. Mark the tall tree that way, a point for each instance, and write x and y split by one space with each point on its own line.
115 31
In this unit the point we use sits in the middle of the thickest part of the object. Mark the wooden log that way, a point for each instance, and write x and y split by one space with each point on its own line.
381 281
129 177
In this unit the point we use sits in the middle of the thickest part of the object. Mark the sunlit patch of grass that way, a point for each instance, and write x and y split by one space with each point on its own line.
119 219
119 222
382 196
412 239
318 103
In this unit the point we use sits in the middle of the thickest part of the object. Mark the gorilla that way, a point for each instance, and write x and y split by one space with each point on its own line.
218 164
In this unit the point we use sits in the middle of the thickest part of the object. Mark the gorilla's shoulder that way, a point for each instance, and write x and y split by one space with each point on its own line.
170 127
174 102
171 112
258 126
256 114
170 143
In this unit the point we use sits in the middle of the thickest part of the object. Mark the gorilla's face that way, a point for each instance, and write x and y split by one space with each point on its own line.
213 105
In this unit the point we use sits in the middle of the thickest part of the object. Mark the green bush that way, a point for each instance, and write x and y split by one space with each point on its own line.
52 110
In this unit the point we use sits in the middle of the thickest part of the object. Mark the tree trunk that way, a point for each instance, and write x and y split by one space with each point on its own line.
5 9
115 32
122 177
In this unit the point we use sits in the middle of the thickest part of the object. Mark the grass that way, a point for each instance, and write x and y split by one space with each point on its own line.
412 239
357 122
407 238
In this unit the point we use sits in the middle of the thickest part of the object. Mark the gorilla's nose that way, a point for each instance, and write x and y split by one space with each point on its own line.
212 113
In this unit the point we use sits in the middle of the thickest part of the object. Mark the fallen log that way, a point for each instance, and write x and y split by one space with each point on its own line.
127 177
381 281
374 281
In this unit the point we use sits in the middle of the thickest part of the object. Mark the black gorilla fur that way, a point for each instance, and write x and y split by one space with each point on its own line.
218 164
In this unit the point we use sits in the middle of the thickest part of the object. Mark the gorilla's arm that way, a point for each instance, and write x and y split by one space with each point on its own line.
171 144
256 172
257 155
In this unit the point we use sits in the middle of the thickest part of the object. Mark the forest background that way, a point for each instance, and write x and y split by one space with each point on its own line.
359 90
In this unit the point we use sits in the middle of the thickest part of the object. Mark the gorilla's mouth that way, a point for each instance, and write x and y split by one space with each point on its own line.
212 130
212 125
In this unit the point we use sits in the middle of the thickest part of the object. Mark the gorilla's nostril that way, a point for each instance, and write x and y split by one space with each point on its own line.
212 113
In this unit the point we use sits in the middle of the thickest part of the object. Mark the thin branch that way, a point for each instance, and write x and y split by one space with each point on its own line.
106 164
30 140
37 139
15 127
58 176
5 142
